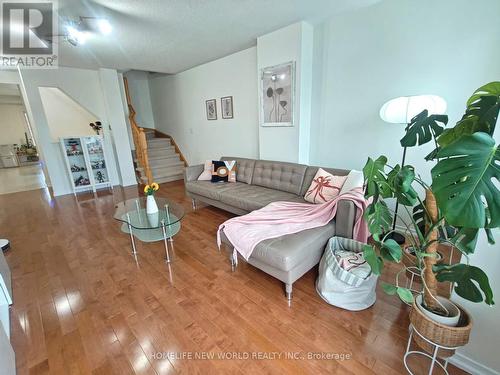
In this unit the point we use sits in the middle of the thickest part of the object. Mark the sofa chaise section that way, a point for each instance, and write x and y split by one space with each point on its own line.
260 182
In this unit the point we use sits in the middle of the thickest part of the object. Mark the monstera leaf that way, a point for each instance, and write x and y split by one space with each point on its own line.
464 178
465 240
378 217
463 275
422 128
376 183
389 249
480 116
374 260
400 180
403 293
485 104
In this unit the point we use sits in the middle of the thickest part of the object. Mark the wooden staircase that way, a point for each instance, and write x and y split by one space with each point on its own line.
165 162
157 156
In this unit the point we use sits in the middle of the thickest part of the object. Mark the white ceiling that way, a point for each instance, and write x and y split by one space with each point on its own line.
170 36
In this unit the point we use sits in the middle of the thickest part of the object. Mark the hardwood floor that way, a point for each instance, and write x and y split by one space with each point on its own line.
84 305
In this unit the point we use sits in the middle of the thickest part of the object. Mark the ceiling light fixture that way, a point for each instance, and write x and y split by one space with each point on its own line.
104 26
77 33
75 36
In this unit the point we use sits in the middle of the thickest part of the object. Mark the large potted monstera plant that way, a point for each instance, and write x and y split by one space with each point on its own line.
461 199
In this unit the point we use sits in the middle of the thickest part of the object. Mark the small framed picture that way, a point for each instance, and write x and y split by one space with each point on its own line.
226 105
211 105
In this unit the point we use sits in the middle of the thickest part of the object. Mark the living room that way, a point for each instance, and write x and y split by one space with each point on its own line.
203 244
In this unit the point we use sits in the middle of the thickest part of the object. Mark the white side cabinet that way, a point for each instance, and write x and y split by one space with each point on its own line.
86 163
7 357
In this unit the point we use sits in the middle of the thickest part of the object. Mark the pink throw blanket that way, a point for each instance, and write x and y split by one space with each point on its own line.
281 218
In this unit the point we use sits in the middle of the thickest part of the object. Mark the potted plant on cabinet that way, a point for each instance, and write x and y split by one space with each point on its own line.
461 199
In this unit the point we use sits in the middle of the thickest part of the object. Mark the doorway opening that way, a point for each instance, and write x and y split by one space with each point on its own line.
21 167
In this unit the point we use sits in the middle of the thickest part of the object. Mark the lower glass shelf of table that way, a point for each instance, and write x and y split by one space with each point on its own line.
150 227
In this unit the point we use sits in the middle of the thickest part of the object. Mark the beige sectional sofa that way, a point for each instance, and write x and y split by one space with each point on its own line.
260 182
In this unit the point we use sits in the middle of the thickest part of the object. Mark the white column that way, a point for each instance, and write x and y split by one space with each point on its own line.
110 86
291 43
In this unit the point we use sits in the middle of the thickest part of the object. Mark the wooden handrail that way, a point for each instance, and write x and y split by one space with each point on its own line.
140 141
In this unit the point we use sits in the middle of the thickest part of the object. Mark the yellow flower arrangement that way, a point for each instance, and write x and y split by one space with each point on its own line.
151 189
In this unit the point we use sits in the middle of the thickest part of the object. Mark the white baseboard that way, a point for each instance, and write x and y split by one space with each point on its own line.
475 368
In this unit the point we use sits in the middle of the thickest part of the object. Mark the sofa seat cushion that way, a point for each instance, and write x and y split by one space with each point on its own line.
286 252
252 197
210 189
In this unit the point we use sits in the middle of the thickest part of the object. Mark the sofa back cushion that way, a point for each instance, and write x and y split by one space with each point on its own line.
278 175
311 172
244 168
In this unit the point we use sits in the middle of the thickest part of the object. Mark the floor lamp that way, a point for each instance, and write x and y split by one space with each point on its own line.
400 111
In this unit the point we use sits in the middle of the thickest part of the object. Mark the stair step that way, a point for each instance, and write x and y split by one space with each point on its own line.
168 172
158 162
169 163
164 179
164 171
161 150
166 168
163 162
150 134
159 169
159 142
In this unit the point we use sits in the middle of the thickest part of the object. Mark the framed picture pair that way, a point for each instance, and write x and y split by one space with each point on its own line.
226 105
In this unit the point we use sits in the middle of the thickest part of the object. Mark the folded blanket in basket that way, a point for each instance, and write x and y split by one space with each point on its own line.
353 262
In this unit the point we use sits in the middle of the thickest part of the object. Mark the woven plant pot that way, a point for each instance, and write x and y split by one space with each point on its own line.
439 333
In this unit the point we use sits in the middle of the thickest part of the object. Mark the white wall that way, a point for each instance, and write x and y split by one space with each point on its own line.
403 47
65 117
85 87
12 124
10 77
291 43
378 53
138 85
179 108
480 356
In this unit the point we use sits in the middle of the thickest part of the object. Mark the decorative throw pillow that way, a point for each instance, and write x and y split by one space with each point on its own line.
324 187
224 171
206 175
355 179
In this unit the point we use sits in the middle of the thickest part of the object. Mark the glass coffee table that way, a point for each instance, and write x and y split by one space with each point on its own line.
161 226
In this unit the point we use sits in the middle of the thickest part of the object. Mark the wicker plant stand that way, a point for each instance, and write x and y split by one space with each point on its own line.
436 340
433 357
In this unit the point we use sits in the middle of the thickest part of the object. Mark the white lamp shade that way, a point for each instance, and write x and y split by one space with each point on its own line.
401 110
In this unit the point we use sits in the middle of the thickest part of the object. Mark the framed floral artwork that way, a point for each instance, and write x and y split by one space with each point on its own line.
211 107
277 95
226 106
